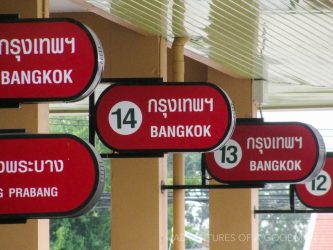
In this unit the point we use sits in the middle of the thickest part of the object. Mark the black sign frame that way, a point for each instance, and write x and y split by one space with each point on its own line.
86 205
158 82
94 79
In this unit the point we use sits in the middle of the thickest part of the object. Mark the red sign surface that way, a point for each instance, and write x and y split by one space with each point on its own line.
44 176
43 60
318 193
268 152
164 117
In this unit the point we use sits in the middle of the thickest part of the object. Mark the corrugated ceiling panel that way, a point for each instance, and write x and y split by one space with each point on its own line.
284 42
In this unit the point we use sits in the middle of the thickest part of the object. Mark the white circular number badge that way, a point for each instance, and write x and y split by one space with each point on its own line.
229 156
320 185
125 118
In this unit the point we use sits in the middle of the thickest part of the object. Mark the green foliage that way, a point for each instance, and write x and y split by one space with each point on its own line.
192 168
87 232
92 230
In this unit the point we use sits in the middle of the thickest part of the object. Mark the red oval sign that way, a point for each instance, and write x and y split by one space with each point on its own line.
45 60
164 117
43 176
268 152
318 193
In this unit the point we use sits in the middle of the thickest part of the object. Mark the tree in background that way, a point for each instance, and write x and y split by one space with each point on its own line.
280 231
89 231
92 230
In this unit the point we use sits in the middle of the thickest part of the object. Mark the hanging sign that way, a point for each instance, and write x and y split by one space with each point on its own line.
44 60
164 117
318 192
46 176
261 152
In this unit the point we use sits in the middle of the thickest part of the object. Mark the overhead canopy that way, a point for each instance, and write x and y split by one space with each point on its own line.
288 44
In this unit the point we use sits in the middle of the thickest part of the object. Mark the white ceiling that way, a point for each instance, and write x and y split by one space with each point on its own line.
64 6
287 44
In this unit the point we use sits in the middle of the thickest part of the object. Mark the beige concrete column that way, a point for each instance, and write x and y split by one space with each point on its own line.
34 235
231 218
139 208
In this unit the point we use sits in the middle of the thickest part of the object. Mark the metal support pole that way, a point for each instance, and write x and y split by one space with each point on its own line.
178 159
92 125
203 171
207 186
292 197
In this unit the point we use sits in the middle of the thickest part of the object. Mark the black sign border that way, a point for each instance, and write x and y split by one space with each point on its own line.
315 169
226 136
98 63
328 155
93 196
